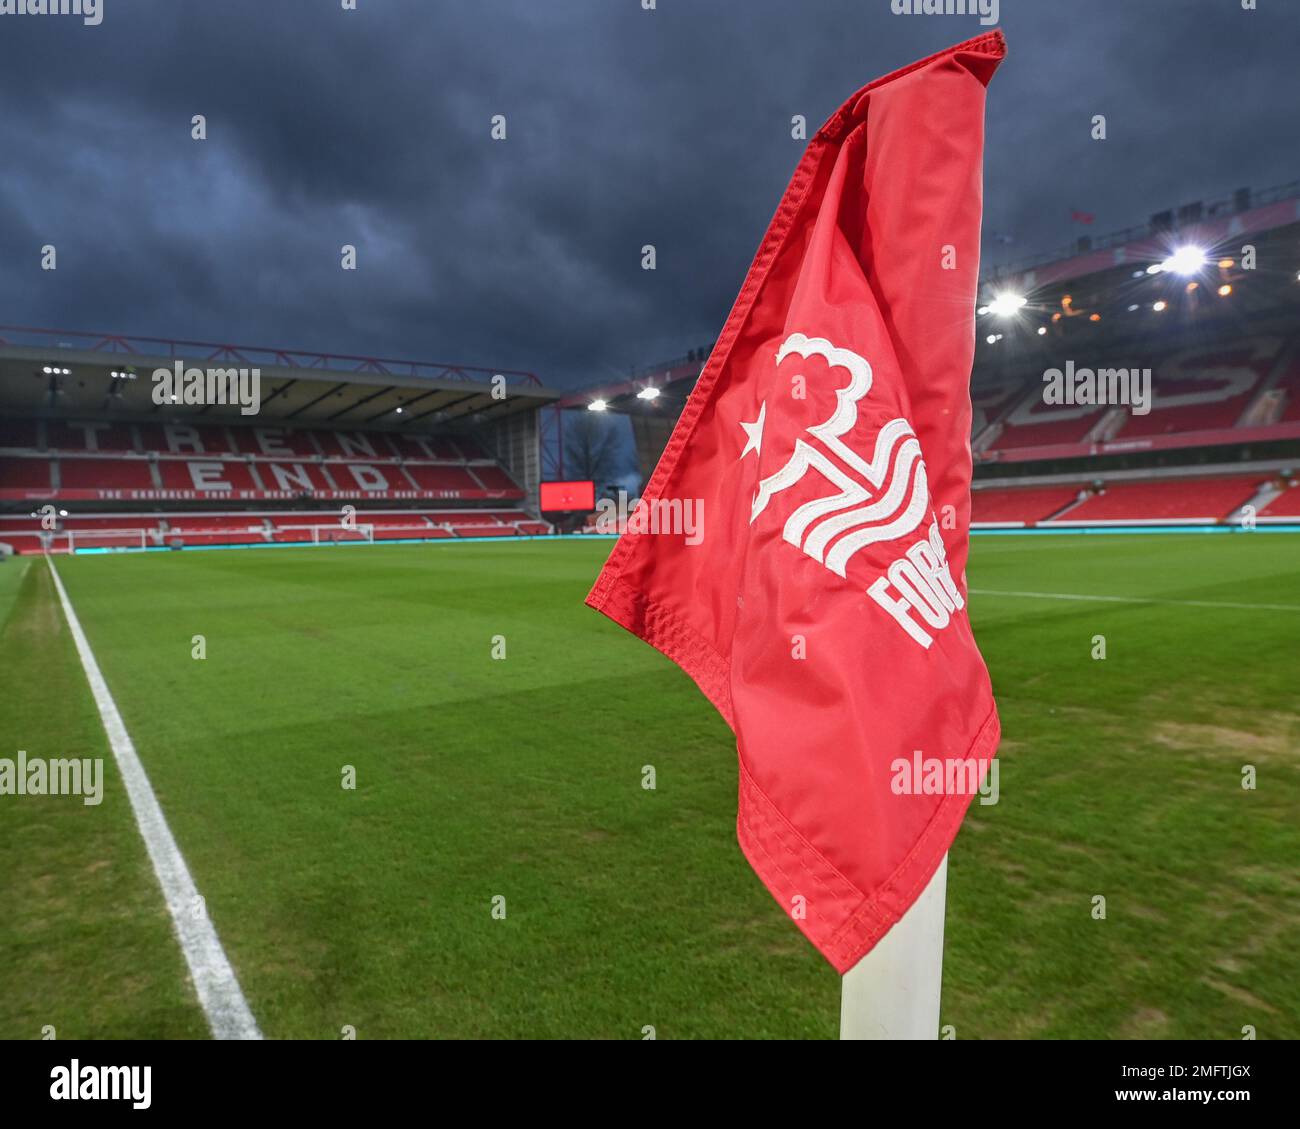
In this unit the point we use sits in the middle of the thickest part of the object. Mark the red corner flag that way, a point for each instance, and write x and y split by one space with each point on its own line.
826 448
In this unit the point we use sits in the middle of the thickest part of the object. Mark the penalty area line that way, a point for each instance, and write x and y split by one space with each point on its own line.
1137 600
214 979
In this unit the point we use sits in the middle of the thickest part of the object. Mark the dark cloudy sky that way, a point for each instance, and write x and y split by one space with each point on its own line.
625 127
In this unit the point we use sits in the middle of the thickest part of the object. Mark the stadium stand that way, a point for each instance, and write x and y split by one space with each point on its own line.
1285 506
85 436
1022 505
28 478
97 460
1177 496
1173 499
1289 386
101 475
1221 440
1193 391
88 460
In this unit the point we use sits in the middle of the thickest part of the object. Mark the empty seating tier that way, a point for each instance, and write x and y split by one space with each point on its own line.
87 460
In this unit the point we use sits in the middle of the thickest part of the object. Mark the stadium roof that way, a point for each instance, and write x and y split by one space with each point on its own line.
1107 277
48 371
663 388
1187 286
1243 213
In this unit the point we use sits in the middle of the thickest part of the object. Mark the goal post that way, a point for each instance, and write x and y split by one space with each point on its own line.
117 540
337 533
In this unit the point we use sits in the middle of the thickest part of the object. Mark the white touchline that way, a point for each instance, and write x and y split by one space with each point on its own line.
1138 600
214 979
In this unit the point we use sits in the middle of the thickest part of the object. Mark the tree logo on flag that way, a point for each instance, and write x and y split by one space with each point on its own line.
878 499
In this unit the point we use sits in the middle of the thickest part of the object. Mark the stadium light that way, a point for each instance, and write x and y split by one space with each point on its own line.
1185 260
1160 306
597 406
1042 331
1006 305
1225 290
650 392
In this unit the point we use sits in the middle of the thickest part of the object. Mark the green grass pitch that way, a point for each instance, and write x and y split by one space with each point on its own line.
626 908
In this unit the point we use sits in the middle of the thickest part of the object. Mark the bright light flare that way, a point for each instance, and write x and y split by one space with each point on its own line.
1185 261
1007 305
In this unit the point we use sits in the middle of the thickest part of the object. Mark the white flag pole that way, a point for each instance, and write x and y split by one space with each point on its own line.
893 991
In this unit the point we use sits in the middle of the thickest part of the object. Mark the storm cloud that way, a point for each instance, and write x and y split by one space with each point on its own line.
624 127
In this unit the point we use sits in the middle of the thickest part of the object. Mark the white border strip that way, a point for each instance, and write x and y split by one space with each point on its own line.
214 979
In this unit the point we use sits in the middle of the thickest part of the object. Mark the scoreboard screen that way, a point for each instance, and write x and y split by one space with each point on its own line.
557 497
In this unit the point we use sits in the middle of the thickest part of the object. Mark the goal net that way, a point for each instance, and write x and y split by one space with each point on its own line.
123 540
337 532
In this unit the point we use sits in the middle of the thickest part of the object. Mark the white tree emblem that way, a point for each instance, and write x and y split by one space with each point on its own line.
877 499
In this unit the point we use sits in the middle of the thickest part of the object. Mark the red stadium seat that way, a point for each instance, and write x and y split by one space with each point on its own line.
274 442
1285 505
1212 498
494 478
207 475
195 440
83 436
1204 390
451 479
104 474
1024 504
366 446
25 474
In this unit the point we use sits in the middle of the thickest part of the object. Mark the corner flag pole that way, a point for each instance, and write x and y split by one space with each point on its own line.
893 991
